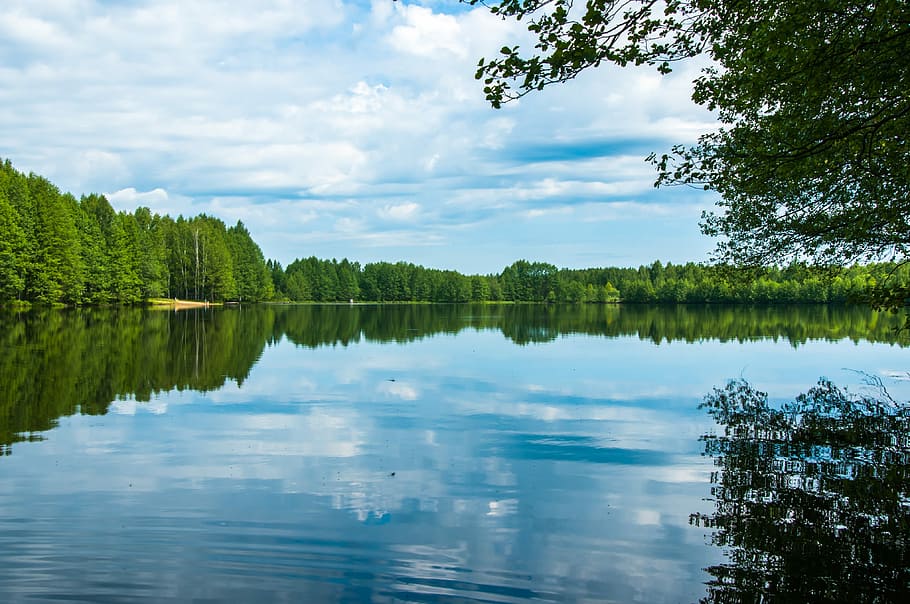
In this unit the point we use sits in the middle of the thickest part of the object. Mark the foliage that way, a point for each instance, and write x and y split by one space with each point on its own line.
55 249
810 160
317 280
12 244
571 39
810 498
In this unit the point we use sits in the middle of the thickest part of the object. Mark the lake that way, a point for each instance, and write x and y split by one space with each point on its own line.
408 453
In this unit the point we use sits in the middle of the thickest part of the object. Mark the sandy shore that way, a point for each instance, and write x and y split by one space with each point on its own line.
176 304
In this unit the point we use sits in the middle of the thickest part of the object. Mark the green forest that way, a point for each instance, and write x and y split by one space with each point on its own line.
312 279
56 249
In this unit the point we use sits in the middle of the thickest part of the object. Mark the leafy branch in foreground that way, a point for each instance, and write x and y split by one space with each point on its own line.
812 97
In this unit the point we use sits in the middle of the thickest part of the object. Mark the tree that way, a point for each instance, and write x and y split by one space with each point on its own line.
125 259
179 240
153 253
574 291
57 250
347 280
812 97
15 186
56 275
525 281
12 244
94 251
251 274
213 268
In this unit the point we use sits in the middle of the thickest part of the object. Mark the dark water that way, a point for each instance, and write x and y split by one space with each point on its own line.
449 453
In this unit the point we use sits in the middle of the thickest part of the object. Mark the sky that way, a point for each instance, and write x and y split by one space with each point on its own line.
347 129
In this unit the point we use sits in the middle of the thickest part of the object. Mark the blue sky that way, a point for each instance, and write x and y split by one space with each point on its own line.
341 128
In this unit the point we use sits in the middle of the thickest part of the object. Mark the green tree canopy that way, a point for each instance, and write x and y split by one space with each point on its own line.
810 159
55 249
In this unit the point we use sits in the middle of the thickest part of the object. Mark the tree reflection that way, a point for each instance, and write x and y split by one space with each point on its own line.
811 499
57 363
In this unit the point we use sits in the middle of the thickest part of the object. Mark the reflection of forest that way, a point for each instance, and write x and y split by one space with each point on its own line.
528 323
812 500
57 363
668 323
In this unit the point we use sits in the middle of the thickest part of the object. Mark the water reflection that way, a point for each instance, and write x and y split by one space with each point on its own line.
343 454
57 363
534 323
96 356
812 499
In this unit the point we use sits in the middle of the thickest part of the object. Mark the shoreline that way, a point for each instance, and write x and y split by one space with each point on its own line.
177 304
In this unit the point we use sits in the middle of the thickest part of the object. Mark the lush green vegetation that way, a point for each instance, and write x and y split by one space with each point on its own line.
810 157
55 249
332 281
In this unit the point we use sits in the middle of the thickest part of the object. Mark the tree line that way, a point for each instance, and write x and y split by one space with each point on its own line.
56 249
317 280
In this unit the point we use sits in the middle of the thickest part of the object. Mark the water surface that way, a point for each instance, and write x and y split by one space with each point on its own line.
386 453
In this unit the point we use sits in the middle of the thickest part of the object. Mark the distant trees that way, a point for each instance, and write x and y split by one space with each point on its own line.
317 280
695 283
530 282
55 249
312 279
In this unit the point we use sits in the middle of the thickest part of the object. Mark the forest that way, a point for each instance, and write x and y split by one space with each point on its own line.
312 279
56 249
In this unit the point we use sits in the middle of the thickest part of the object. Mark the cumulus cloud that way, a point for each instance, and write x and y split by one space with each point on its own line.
427 33
131 196
331 127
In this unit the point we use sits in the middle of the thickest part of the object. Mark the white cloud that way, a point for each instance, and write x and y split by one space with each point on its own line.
495 131
131 198
32 31
349 225
544 212
322 123
403 212
426 33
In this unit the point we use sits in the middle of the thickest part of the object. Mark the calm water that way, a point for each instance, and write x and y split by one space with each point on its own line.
398 453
